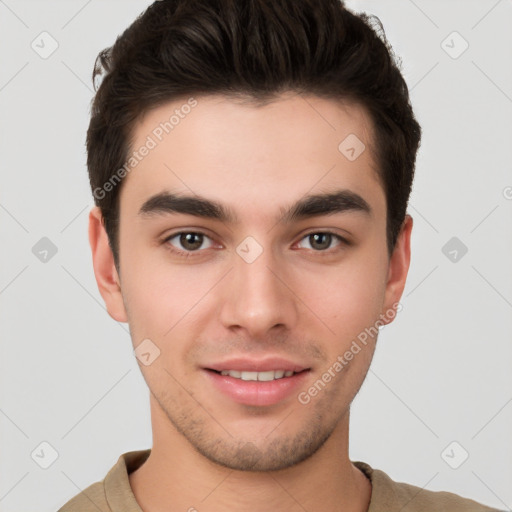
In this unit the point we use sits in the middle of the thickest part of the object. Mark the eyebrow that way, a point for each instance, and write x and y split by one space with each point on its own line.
330 203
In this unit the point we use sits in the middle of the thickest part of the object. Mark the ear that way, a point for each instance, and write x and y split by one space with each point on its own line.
397 271
104 268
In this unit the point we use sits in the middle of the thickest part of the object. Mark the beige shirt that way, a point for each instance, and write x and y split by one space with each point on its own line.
114 493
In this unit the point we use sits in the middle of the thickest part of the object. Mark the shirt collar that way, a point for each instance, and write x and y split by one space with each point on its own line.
120 497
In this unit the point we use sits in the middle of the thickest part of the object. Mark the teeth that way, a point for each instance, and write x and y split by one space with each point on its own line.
232 373
261 376
266 375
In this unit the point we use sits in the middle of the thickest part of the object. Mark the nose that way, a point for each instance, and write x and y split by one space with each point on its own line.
258 297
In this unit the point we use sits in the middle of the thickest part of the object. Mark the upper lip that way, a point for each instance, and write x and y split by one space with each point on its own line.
257 365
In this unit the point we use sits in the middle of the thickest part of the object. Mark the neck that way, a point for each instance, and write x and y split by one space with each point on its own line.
176 477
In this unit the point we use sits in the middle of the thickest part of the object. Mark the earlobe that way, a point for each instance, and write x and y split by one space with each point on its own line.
105 271
397 270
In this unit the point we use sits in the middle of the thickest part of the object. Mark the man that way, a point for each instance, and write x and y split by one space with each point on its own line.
251 163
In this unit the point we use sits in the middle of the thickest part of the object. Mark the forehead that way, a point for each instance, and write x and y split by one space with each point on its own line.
253 156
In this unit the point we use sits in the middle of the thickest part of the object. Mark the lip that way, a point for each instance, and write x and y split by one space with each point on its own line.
257 365
256 393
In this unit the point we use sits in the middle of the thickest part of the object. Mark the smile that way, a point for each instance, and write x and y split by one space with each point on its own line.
259 376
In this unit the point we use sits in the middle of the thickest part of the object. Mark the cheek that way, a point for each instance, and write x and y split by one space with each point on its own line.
347 298
159 295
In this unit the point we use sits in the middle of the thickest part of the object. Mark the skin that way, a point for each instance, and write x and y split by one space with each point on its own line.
296 301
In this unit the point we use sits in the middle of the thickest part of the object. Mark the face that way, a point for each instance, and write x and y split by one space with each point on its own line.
249 298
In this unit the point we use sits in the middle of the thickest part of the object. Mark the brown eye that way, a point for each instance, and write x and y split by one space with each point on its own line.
320 240
187 241
323 240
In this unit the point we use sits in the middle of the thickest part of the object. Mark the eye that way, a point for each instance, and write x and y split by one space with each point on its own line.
190 243
187 241
322 240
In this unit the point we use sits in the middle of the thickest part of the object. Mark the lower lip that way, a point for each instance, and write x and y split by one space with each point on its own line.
252 392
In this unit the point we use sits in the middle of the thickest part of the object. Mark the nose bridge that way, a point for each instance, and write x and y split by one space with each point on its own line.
256 298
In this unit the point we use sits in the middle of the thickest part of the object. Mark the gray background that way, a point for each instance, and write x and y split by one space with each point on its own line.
441 372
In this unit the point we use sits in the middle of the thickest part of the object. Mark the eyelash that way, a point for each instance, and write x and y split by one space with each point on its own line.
191 254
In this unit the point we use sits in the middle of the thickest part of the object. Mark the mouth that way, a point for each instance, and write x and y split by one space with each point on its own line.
256 384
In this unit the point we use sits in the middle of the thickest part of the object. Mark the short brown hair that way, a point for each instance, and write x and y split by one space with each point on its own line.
257 49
